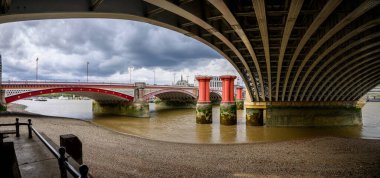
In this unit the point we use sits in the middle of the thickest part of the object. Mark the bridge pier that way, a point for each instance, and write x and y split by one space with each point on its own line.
303 114
239 98
228 115
204 106
138 108
163 104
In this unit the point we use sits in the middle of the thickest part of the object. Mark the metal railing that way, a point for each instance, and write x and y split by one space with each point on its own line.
63 163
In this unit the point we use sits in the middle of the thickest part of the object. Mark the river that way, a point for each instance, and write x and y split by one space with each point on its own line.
179 125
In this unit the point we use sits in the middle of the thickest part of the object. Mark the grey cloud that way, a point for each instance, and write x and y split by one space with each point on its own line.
111 46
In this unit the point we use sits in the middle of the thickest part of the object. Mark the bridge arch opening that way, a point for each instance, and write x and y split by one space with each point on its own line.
215 97
130 15
93 93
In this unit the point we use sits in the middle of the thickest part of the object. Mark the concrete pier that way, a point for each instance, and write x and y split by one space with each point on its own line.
204 106
303 114
254 115
132 109
228 115
138 108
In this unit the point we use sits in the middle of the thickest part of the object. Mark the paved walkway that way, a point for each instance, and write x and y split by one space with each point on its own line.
34 159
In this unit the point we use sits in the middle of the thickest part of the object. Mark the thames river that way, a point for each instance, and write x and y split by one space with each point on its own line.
179 125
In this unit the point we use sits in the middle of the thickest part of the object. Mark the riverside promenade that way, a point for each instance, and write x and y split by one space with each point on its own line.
112 154
34 159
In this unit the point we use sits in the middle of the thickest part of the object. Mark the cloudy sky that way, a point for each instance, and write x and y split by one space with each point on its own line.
63 48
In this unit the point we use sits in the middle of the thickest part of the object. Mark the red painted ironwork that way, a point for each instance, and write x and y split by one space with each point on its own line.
66 90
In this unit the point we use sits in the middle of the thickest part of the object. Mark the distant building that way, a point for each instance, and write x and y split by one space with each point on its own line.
215 83
183 83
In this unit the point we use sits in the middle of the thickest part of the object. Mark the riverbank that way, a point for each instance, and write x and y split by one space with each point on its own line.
111 154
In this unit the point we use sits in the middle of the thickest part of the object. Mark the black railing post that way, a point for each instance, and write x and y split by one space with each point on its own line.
17 128
61 162
30 128
83 170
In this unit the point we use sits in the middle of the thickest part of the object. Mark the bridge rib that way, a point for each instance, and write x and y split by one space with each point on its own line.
95 4
229 17
343 60
294 10
322 16
366 87
330 60
353 93
259 7
353 76
183 13
334 46
363 8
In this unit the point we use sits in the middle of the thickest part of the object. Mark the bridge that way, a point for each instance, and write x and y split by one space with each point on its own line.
315 55
107 93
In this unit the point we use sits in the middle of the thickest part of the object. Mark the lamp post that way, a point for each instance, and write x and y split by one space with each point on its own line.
154 76
174 78
87 70
36 69
130 69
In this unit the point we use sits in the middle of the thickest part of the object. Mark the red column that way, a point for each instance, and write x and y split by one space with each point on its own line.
228 88
204 89
239 93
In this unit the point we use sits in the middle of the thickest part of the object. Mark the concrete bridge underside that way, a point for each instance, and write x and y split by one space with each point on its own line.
288 52
292 50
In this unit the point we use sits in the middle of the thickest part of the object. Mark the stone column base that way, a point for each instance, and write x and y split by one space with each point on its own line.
204 113
240 104
254 116
132 109
228 114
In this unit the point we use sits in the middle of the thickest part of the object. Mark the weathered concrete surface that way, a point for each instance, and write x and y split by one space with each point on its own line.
160 104
132 109
239 104
254 116
228 114
313 116
203 113
34 159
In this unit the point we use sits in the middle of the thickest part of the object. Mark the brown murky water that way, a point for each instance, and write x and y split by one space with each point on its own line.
179 125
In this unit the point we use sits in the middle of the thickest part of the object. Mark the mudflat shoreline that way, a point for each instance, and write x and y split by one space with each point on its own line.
112 154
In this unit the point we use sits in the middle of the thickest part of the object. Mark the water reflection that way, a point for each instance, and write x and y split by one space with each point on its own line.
179 125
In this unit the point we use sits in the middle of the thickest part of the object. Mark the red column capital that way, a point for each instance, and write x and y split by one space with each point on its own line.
228 88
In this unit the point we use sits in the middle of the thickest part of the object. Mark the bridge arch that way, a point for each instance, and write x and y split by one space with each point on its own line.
172 94
93 93
215 96
136 12
279 60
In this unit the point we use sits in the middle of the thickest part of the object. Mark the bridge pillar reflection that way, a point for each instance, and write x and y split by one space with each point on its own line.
228 106
204 106
239 98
